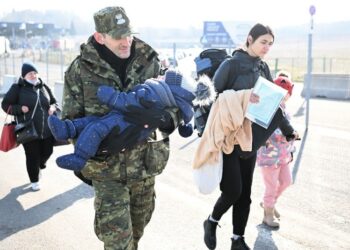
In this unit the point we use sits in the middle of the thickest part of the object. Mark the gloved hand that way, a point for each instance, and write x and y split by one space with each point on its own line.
147 103
149 118
294 136
115 141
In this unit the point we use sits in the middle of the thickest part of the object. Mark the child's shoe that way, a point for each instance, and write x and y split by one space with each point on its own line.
71 162
61 130
275 212
269 218
107 95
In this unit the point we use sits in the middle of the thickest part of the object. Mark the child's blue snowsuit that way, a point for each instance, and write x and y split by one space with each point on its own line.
91 130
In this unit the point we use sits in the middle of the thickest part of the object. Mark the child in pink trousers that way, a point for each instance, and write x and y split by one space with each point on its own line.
274 160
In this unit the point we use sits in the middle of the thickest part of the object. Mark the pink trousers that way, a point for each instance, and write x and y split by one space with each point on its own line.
276 180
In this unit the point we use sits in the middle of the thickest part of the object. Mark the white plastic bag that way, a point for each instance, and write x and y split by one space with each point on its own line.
208 177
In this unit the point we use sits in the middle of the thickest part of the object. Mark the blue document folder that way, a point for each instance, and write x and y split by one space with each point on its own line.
270 97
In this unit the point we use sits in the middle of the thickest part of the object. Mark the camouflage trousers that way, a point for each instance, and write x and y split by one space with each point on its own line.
122 211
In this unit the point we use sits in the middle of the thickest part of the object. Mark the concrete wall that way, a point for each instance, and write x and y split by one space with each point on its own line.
334 86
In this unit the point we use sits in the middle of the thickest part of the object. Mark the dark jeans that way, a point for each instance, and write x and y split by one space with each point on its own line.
235 188
37 153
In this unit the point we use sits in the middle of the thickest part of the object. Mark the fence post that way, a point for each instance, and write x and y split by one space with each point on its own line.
5 64
47 66
13 64
174 55
292 71
33 54
276 65
61 62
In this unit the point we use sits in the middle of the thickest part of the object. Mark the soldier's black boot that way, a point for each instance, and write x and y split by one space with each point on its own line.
210 233
239 244
83 178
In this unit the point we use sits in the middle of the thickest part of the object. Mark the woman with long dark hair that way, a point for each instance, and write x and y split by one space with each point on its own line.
239 72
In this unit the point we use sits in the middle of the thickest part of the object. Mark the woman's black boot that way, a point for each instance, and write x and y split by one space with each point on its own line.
210 233
239 244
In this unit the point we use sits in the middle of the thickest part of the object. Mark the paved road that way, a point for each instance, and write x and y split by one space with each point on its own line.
315 210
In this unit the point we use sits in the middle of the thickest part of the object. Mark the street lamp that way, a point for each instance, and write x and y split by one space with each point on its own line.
312 11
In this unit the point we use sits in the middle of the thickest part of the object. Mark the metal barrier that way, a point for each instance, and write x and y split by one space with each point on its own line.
8 80
58 92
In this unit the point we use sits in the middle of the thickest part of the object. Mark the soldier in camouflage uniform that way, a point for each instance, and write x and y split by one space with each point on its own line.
123 182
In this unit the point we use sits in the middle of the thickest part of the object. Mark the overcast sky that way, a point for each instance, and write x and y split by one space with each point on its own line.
184 13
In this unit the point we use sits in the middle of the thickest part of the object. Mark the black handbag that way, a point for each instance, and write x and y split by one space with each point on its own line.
25 131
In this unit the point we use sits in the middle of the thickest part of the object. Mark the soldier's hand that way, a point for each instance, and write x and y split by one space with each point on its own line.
117 141
148 118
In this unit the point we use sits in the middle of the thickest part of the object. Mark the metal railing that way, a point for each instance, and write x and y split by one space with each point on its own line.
298 66
51 64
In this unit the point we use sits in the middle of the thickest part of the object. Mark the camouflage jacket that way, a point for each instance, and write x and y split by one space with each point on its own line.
82 79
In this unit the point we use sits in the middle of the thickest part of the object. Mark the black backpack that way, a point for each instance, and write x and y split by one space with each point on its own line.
209 60
207 63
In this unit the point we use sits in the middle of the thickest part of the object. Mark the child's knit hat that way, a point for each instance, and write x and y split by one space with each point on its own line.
175 80
285 83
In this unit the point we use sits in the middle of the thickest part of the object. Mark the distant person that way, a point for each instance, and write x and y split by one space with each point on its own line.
239 73
124 181
274 159
284 73
28 98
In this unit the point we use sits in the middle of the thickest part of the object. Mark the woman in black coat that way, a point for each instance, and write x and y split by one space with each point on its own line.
241 71
21 101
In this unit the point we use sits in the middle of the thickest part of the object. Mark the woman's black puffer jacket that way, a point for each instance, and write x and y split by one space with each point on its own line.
241 71
26 94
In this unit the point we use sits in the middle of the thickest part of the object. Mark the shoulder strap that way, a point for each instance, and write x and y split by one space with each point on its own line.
7 113
49 92
36 104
